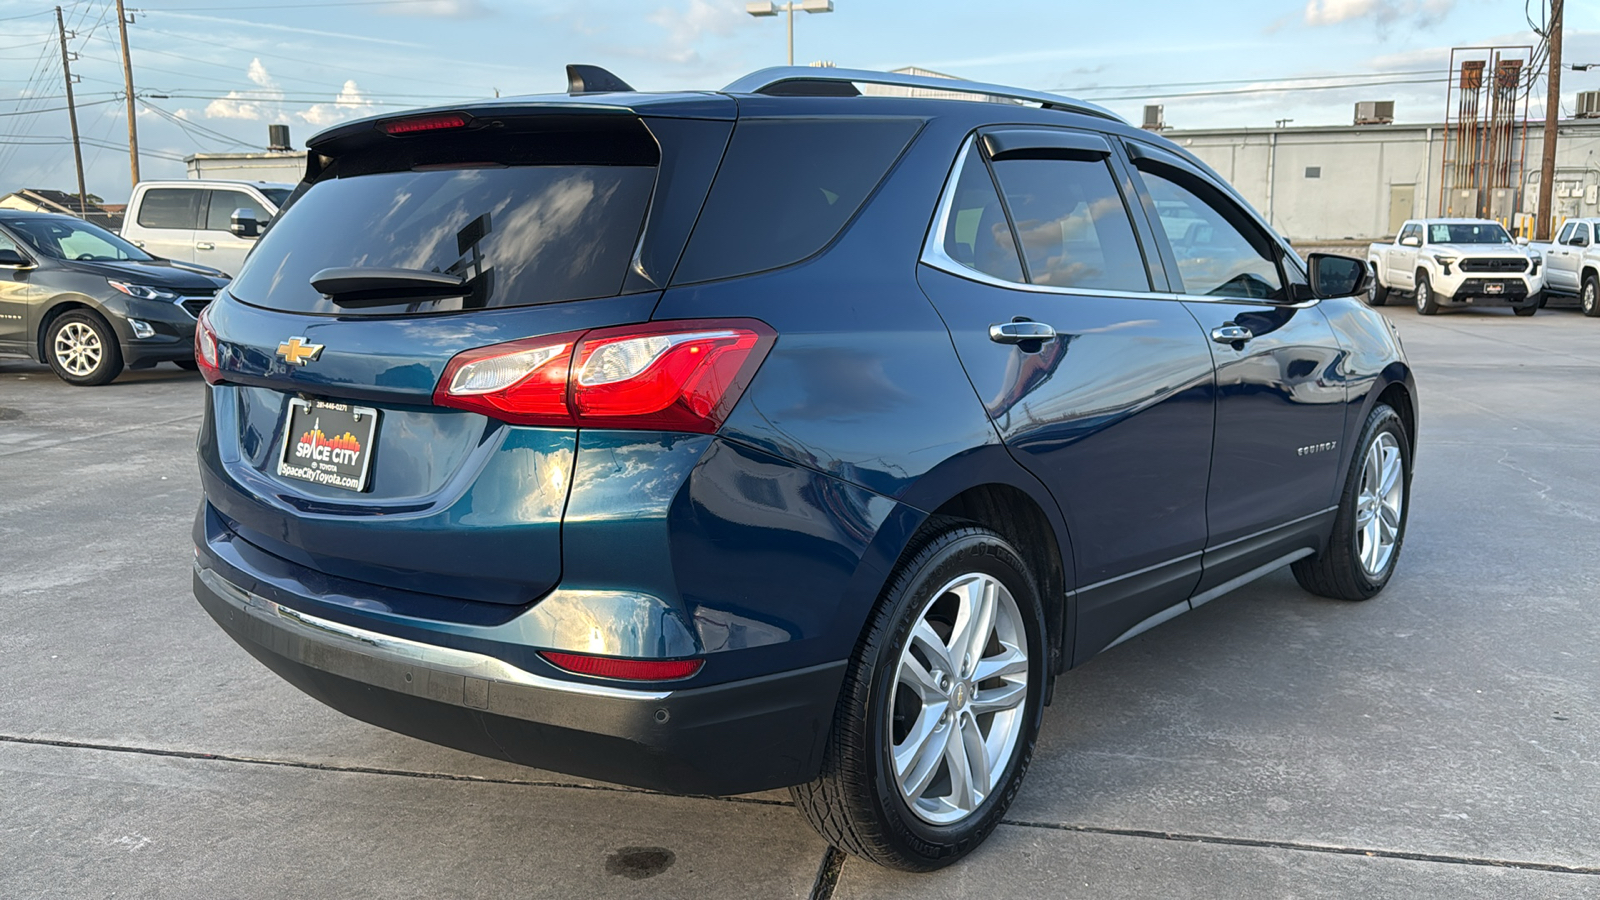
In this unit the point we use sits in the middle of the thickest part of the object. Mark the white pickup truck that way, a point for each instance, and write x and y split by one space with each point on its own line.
1572 264
1457 262
192 221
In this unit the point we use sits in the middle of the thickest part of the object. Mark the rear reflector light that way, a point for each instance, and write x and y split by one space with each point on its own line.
205 348
663 376
423 123
630 669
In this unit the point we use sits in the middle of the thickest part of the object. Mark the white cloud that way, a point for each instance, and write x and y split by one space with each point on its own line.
350 103
1332 12
686 27
265 103
440 9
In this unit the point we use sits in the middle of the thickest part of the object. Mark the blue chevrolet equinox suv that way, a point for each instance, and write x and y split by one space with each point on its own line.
790 435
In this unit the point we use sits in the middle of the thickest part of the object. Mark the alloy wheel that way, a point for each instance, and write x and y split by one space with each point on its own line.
1589 298
78 349
1424 290
958 699
1379 505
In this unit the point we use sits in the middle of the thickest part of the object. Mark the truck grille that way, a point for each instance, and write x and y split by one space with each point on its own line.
1494 265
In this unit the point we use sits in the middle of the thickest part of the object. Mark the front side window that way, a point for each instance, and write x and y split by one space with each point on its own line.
1217 254
170 208
1467 233
1411 231
977 234
1566 234
219 211
1072 223
1580 235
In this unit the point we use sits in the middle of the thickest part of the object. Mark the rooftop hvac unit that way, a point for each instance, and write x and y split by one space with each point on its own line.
1375 112
1153 120
1589 105
278 137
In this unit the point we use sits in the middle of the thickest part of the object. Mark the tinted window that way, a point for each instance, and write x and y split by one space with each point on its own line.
1072 223
1467 233
219 211
1566 232
1412 230
977 234
1582 231
785 189
1215 254
518 234
276 195
170 208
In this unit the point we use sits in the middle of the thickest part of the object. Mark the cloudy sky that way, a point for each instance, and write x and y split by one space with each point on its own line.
214 74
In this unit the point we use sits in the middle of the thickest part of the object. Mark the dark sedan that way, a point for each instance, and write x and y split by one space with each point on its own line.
89 303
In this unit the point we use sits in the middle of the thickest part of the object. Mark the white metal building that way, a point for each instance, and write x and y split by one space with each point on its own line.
1361 181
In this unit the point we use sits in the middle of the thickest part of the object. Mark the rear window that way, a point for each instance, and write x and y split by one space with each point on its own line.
519 234
785 189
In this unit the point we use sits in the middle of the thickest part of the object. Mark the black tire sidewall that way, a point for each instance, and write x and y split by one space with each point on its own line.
110 353
959 552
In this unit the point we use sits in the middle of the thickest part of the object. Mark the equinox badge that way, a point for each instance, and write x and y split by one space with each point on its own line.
297 351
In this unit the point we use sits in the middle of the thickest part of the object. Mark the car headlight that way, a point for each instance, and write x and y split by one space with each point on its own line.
1444 260
143 291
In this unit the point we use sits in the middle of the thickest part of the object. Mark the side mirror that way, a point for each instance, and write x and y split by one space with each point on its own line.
1579 241
1411 240
243 223
1336 276
11 259
1522 240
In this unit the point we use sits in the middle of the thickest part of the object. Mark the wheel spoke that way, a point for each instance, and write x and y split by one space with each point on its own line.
1391 471
923 636
917 760
976 751
923 683
1009 661
972 630
958 761
999 699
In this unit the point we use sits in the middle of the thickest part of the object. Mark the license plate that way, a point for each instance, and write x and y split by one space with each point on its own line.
328 443
1494 289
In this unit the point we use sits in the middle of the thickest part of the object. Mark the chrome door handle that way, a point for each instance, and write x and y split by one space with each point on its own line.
205 245
1017 332
1231 334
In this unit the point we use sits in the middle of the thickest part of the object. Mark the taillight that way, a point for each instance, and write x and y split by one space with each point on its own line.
619 667
666 376
205 348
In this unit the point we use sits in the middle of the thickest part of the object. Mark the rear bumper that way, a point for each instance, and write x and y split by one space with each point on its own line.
731 738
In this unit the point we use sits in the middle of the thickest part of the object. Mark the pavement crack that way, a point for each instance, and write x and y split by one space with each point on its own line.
828 871
364 770
1306 847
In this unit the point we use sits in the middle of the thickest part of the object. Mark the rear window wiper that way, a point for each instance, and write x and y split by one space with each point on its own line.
364 286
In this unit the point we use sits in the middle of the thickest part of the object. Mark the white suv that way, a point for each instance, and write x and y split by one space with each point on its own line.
190 221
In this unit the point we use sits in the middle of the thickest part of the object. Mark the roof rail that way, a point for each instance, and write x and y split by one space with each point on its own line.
759 83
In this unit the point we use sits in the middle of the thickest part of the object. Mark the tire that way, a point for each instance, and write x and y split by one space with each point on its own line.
82 349
1426 304
1377 294
1344 570
857 803
1589 299
1531 306
188 365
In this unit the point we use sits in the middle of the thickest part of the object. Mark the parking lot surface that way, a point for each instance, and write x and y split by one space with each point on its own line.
1440 740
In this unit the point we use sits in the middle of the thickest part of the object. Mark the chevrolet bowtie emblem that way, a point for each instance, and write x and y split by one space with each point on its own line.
296 351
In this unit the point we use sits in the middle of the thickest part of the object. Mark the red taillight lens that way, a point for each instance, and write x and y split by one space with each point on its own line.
617 667
205 348
667 376
440 122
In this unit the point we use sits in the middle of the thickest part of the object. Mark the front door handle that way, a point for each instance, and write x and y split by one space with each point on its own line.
1231 334
205 245
1018 332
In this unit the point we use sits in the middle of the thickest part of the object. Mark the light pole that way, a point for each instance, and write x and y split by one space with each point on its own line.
769 8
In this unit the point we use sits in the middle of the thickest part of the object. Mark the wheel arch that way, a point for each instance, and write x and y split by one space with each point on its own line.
62 306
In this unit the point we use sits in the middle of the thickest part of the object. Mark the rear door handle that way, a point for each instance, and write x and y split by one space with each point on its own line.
1017 332
205 245
1231 334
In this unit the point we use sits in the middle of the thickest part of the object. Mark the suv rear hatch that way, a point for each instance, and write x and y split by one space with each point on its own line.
443 232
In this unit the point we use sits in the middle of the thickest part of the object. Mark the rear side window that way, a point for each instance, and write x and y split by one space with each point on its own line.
978 235
219 211
1072 223
785 189
518 234
170 208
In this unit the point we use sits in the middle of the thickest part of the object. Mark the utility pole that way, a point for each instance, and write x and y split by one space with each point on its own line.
127 81
1552 114
72 112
